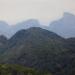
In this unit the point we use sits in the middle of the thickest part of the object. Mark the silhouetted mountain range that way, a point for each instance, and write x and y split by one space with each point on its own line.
65 26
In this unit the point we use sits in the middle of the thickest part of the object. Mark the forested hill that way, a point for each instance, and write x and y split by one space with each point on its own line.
39 49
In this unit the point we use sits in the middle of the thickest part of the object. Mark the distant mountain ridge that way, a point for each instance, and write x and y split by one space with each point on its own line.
64 27
9 30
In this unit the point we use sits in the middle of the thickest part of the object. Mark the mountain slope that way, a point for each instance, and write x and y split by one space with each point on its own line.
3 42
65 26
41 49
35 47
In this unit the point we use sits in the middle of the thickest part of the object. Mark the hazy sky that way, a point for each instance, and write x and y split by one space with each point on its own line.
13 11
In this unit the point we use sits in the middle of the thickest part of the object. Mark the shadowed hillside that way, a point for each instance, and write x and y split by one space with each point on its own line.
40 49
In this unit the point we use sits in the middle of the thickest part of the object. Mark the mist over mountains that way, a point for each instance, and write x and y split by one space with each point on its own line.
65 26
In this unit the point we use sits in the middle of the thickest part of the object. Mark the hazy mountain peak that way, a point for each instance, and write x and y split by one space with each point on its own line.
35 28
65 26
30 22
66 14
68 17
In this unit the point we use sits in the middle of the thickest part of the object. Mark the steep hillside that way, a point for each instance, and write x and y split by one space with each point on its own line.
40 49
3 42
34 47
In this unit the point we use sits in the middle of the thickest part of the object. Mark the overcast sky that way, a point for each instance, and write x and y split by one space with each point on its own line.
13 11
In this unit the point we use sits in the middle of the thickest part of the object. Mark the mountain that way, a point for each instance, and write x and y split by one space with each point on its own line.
36 47
40 49
25 25
65 26
10 30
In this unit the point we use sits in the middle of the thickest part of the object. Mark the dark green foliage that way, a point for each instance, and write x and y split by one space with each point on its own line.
7 69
